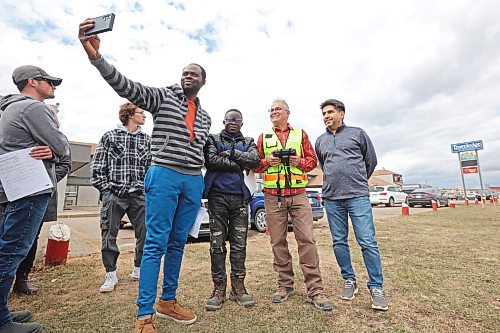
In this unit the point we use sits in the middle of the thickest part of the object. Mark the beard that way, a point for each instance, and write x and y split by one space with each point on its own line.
191 90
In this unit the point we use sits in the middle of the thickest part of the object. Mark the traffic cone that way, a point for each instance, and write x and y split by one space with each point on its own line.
492 200
466 201
434 206
452 205
476 202
405 209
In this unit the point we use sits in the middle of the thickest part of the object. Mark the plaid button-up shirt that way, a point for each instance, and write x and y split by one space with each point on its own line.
120 162
308 161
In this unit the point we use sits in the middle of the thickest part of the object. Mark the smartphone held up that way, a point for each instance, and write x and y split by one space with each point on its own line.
101 24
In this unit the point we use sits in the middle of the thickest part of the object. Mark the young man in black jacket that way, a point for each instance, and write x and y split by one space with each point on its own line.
227 156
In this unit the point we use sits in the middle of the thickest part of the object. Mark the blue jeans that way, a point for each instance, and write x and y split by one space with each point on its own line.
172 203
360 211
18 228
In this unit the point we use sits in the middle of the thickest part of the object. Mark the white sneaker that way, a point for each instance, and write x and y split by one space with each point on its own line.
136 272
109 283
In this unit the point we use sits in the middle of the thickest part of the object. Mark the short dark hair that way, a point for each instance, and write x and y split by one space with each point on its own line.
203 73
338 105
126 110
233 110
21 84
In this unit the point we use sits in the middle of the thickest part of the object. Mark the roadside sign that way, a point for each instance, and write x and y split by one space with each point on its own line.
467 146
468 163
470 169
467 155
468 159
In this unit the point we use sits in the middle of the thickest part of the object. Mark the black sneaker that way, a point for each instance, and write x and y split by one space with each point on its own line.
22 328
378 299
349 290
21 316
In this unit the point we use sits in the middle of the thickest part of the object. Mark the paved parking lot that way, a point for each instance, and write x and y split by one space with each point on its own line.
86 236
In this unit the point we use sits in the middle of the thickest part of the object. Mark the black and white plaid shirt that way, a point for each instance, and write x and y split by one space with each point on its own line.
120 162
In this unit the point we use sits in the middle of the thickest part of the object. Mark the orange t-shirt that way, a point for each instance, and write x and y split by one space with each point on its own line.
189 118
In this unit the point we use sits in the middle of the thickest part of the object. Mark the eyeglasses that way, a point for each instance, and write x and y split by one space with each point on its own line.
278 108
44 79
234 120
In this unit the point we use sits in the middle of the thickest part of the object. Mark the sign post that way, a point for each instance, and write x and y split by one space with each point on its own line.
468 159
479 171
462 175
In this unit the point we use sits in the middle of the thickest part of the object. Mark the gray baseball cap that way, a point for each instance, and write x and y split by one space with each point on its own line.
24 72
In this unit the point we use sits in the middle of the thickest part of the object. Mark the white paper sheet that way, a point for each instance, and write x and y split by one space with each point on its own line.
22 175
195 229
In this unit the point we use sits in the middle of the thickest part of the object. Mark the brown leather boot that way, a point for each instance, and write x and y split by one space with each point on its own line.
173 310
145 326
239 292
218 294
22 284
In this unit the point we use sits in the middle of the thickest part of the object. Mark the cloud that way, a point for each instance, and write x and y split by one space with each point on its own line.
417 76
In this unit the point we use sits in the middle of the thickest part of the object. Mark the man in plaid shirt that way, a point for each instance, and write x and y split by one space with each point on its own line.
118 170
285 194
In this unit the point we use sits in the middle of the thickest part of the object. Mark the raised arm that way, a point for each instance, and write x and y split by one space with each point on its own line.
147 98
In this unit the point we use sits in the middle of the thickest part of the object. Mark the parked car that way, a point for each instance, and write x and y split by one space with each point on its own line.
408 188
258 213
425 196
485 192
205 224
387 195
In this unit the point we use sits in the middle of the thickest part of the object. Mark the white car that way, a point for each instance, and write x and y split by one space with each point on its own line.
388 195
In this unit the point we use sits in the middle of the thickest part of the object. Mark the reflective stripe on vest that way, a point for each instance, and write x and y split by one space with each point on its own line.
271 142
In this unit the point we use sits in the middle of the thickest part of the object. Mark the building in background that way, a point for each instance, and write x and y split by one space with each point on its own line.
78 191
386 177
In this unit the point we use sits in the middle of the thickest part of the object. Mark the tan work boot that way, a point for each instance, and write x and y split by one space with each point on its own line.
173 310
239 292
282 294
218 296
145 326
320 302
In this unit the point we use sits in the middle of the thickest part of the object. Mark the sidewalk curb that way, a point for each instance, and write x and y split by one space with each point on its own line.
76 214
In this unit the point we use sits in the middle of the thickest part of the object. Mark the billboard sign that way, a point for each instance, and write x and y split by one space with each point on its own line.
468 163
467 156
470 169
466 146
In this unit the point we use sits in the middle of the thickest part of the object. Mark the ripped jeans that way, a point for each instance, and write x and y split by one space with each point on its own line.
228 220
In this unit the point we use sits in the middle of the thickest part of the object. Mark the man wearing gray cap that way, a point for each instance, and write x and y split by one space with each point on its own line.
26 122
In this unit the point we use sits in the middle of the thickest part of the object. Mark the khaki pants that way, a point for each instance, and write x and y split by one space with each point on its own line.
302 221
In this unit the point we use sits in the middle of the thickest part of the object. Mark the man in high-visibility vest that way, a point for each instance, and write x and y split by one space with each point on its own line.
286 156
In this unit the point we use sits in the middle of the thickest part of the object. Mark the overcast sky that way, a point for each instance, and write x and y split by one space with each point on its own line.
417 76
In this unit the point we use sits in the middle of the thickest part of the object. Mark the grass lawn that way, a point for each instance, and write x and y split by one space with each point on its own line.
441 273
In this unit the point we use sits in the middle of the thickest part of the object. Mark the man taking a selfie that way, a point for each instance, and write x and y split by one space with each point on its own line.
173 184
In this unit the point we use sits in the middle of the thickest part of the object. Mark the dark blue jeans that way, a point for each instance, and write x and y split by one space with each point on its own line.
19 225
360 211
